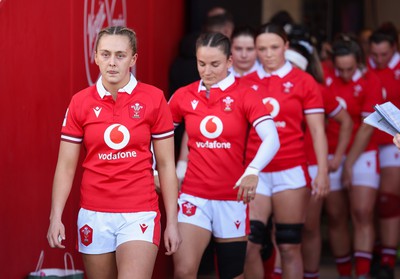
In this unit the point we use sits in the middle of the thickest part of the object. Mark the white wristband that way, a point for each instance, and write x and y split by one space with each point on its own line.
181 167
155 172
249 171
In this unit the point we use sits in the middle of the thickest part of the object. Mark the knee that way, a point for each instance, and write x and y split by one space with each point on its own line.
231 258
184 271
362 215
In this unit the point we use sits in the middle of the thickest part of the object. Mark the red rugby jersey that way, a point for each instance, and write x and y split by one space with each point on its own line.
390 78
358 97
288 94
217 128
116 135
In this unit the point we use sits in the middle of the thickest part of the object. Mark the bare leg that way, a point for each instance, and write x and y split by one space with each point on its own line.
260 210
187 258
102 266
337 209
311 242
135 259
291 260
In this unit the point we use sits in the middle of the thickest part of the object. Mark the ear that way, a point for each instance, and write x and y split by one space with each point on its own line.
133 60
95 58
229 61
287 45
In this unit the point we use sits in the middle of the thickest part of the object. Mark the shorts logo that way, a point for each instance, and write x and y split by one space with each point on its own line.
272 106
116 136
143 227
86 233
136 110
211 127
99 14
237 224
188 209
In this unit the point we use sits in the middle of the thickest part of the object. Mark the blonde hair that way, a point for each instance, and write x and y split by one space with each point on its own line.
119 30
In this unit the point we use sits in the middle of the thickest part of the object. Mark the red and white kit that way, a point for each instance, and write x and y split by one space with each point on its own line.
358 97
288 94
217 129
118 175
389 155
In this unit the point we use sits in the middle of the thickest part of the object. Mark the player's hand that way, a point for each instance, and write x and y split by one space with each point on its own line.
172 239
320 186
247 185
56 234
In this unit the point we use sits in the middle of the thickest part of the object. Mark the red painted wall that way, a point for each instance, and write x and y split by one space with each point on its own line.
41 67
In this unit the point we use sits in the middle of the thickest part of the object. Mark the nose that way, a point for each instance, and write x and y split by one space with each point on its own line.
112 60
207 70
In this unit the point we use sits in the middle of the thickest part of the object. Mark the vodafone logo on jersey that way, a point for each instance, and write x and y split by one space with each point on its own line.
211 127
272 106
97 15
273 109
116 136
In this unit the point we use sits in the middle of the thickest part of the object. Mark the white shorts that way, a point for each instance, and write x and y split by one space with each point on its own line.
365 172
103 232
270 183
312 171
389 156
225 219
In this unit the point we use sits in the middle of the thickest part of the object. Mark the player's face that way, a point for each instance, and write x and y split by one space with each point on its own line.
382 53
271 51
212 65
346 65
243 53
115 58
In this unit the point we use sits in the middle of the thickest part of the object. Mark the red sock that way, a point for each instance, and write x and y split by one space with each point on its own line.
363 262
269 266
311 275
388 256
343 265
277 274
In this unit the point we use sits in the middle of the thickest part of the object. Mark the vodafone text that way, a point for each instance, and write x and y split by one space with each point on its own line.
213 144
116 156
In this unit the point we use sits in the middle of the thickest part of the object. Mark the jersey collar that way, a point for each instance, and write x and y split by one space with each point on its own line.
356 76
223 84
127 88
281 72
255 67
392 63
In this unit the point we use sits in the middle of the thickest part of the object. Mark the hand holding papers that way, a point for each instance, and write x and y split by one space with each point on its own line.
386 118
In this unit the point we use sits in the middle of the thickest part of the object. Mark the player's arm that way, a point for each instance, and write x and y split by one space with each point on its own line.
164 152
315 122
68 157
270 144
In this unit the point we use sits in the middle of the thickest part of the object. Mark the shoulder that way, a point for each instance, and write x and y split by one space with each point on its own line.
149 89
184 90
85 95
